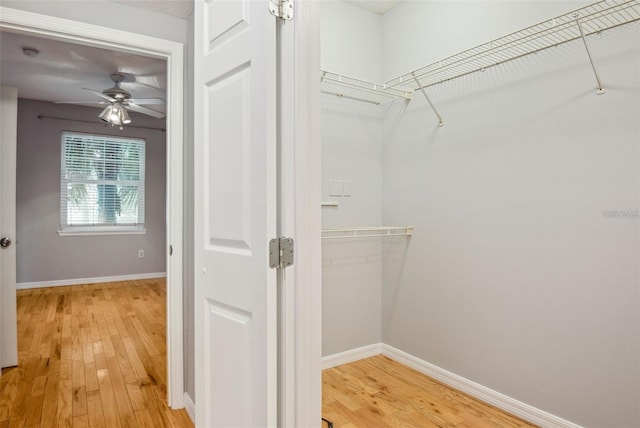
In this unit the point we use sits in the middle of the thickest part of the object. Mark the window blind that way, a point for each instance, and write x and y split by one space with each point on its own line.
102 181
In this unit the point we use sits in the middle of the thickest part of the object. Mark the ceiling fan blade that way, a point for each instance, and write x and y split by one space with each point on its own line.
100 94
144 110
149 101
80 102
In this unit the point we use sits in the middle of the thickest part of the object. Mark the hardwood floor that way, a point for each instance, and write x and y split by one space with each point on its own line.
95 356
90 356
379 392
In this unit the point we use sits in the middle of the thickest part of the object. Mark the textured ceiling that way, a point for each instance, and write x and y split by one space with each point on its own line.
62 69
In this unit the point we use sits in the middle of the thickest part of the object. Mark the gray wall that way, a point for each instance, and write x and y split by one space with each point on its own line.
351 150
514 278
45 256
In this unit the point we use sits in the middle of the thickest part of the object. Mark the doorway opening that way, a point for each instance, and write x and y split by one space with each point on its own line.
36 25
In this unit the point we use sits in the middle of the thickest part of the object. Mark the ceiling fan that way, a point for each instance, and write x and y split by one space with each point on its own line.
119 100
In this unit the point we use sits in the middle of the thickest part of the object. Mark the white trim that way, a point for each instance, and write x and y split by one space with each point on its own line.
96 231
190 407
95 280
487 395
175 225
300 395
351 355
93 35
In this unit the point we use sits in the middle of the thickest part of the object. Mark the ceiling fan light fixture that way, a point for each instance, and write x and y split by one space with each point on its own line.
115 114
124 116
115 117
106 113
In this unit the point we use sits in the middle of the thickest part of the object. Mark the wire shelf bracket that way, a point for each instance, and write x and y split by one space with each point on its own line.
600 90
367 232
440 121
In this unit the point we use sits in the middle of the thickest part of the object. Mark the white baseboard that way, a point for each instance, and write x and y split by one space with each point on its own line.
97 280
501 401
351 355
190 407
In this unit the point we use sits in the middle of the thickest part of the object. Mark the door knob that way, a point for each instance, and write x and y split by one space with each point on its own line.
5 242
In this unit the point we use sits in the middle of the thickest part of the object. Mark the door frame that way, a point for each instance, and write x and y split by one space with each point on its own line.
93 35
8 151
300 327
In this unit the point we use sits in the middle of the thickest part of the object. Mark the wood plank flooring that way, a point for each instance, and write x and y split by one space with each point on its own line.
379 392
90 356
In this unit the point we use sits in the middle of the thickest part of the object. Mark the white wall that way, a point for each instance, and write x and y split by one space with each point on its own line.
45 256
350 40
514 279
351 269
106 13
351 150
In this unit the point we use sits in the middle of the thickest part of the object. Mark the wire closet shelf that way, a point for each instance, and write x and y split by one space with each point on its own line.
581 23
359 90
593 19
367 232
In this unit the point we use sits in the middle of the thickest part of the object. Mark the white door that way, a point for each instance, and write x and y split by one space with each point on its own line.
8 319
235 214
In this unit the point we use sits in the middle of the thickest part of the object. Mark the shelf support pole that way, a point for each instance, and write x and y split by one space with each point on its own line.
440 121
600 90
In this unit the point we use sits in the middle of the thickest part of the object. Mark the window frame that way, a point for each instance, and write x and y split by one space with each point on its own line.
65 229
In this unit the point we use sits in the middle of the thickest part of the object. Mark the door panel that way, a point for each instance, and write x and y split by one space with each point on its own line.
8 318
235 214
233 327
229 164
226 21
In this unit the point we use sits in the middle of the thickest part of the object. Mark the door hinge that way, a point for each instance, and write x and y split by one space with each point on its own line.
280 252
282 9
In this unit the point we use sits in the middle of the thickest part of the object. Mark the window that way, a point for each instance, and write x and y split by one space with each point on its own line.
101 185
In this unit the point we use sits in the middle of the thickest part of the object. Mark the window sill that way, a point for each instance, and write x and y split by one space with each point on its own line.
101 231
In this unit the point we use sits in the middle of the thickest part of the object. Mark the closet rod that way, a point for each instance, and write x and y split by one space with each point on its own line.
367 232
96 123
